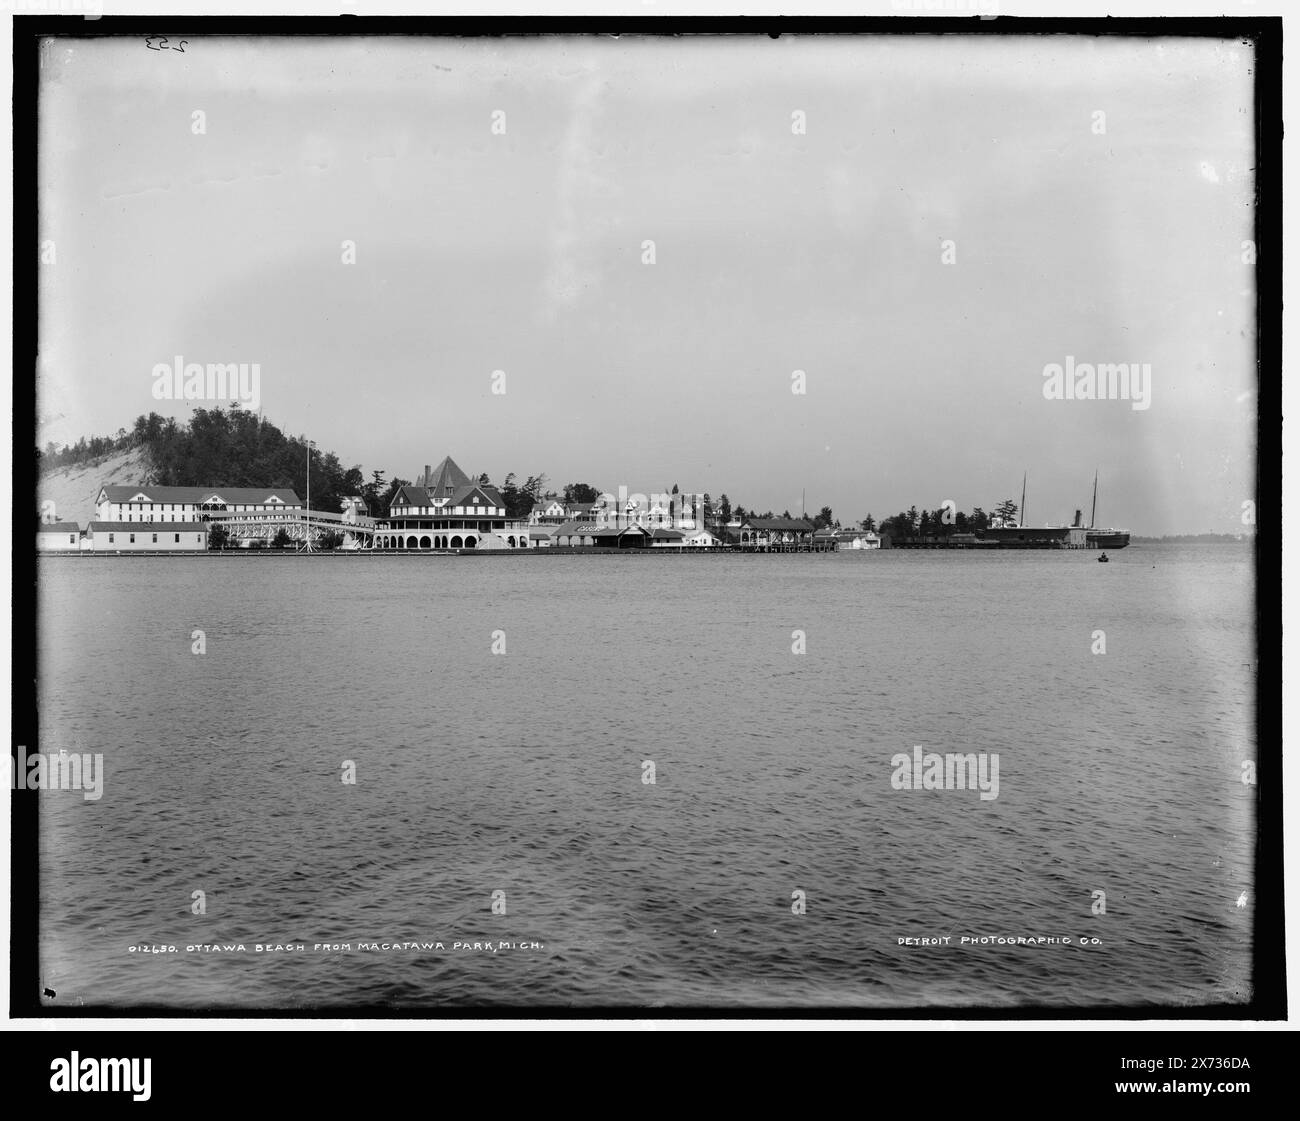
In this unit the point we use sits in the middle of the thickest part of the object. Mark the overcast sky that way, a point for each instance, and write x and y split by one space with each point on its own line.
774 251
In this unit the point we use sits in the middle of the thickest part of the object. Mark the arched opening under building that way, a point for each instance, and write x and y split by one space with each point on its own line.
456 542
426 543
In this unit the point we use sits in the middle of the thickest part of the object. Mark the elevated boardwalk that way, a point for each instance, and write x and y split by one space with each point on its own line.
299 525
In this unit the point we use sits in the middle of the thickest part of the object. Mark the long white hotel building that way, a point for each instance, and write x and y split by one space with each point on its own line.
132 504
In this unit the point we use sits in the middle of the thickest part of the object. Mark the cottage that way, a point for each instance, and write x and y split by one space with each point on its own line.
702 539
685 539
859 539
548 511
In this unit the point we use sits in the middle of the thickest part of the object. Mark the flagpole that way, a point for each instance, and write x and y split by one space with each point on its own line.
307 521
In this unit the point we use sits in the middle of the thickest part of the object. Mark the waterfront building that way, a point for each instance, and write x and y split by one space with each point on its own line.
58 537
846 539
776 534
448 510
147 537
585 535
152 504
685 539
703 539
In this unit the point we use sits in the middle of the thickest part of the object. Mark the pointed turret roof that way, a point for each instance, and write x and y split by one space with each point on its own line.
445 479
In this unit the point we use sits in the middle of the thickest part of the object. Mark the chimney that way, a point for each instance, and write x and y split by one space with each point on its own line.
1078 519
428 476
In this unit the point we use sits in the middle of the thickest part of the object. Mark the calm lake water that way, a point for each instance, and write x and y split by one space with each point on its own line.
521 772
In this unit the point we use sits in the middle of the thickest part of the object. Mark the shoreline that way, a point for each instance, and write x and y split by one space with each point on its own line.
554 551
267 554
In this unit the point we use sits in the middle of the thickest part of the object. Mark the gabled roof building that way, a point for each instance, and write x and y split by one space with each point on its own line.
187 504
776 534
448 510
588 535
63 537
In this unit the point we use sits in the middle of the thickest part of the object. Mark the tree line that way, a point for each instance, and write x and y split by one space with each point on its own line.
236 448
942 522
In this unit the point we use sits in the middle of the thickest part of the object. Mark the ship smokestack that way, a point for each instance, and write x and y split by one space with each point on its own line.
1078 519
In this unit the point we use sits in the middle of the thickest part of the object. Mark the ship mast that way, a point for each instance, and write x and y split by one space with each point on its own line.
1093 523
1023 486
